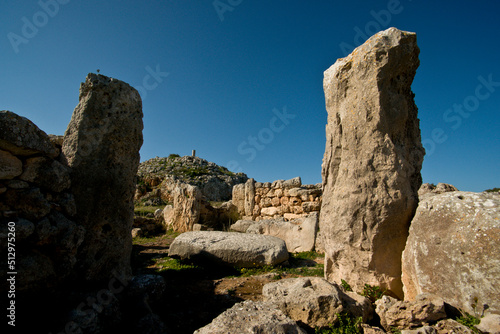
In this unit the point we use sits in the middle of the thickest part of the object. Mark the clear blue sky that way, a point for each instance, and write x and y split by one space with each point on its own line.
240 81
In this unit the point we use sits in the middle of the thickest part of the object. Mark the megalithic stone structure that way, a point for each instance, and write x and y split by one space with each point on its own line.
101 145
373 156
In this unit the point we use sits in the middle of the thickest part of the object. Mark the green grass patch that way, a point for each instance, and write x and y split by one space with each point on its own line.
247 272
142 211
167 263
145 240
395 330
469 321
299 264
307 255
346 324
317 271
345 285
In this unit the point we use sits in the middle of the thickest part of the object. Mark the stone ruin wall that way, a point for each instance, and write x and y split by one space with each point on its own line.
37 202
46 188
287 199
66 203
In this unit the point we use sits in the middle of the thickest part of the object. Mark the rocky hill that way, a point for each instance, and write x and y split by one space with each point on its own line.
216 182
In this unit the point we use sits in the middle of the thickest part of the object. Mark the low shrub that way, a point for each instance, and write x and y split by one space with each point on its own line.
372 292
469 321
346 324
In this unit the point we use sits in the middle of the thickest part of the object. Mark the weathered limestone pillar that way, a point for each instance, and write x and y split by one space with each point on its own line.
101 145
249 197
373 156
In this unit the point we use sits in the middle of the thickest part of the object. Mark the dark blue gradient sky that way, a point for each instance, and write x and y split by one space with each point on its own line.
240 81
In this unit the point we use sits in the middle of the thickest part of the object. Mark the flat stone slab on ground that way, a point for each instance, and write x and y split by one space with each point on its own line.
232 248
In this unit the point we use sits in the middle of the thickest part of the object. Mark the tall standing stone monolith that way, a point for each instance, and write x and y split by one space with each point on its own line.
101 145
373 156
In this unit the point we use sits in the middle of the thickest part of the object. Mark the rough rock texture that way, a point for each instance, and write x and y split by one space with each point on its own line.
314 301
405 315
453 250
249 197
490 323
35 197
51 174
10 166
286 199
421 330
237 249
373 156
242 225
427 188
238 198
185 211
450 326
299 234
215 182
21 137
189 208
101 145
367 329
148 227
252 318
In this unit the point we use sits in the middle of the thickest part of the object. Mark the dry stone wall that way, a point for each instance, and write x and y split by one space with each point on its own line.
282 198
70 202
36 201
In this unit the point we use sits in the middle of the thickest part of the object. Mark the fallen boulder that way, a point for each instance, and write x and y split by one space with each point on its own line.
230 248
252 318
453 250
490 323
424 310
314 301
452 327
299 234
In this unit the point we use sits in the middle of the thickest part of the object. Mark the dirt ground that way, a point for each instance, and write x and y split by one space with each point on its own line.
196 295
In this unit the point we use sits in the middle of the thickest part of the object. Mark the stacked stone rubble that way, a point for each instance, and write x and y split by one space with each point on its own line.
36 205
66 207
288 199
